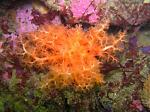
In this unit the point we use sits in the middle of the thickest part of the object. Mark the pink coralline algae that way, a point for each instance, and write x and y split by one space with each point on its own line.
24 23
77 10
86 8
24 19
56 20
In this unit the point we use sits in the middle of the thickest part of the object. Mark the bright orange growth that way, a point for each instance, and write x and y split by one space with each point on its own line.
69 53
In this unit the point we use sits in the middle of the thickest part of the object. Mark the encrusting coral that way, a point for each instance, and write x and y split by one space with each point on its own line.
69 54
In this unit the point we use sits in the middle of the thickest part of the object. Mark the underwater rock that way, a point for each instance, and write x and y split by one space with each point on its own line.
128 12
145 94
